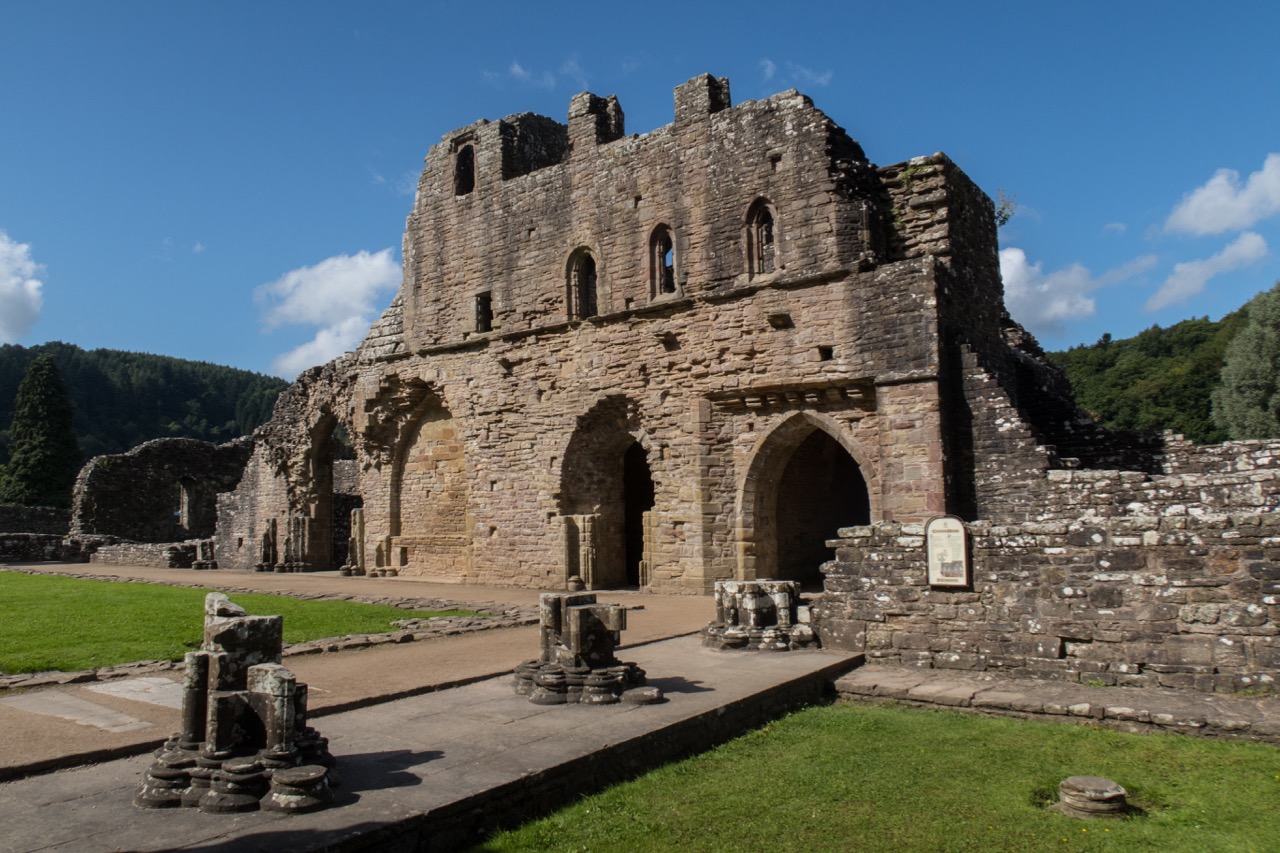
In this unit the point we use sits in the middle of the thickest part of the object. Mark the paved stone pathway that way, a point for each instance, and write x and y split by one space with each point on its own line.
432 772
1137 709
157 690
56 703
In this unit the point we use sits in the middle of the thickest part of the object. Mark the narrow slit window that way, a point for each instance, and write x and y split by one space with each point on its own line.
484 312
662 262
761 245
583 299
464 170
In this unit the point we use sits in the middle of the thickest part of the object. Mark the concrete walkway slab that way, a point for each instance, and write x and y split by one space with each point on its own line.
156 690
56 703
433 771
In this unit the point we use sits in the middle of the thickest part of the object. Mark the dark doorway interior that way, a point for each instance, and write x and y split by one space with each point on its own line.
821 490
637 497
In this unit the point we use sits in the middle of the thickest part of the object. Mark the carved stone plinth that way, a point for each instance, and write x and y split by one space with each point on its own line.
244 722
577 663
763 614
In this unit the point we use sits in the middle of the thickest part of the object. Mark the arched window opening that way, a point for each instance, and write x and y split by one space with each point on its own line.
583 300
662 262
761 246
464 170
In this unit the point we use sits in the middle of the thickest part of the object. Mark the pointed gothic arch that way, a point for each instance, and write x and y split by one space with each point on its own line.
807 478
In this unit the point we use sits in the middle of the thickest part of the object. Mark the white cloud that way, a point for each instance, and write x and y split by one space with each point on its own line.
329 343
1222 204
1045 302
1188 279
1115 227
808 75
792 74
337 295
20 296
199 248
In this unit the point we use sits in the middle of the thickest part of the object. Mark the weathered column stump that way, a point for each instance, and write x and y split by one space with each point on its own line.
1091 796
244 724
577 663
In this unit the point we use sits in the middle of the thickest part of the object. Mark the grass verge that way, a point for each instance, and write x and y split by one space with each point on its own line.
58 623
850 777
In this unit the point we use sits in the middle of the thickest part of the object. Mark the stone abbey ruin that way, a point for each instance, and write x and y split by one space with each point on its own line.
730 349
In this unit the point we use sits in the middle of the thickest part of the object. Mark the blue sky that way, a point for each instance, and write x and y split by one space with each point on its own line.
229 181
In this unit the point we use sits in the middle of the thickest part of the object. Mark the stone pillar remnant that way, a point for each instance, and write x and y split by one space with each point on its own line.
577 662
245 743
760 614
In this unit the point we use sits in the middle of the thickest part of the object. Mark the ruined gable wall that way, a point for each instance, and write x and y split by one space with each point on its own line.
135 495
290 471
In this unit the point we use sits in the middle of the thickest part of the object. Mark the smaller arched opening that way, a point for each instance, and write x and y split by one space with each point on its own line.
637 500
182 510
464 170
762 251
662 263
582 296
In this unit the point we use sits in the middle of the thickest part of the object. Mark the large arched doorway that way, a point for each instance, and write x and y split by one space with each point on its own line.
802 486
820 490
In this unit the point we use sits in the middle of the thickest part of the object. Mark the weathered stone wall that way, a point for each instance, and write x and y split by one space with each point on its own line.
161 555
1122 577
161 491
34 519
29 547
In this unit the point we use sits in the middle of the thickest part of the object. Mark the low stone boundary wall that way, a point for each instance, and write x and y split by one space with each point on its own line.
34 519
160 555
1139 711
29 547
1186 601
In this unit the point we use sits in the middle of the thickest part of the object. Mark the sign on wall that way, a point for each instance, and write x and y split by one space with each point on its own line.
947 547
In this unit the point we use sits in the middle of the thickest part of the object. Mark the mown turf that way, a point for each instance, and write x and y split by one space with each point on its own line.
49 622
880 778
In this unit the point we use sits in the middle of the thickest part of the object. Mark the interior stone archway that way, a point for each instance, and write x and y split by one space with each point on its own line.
806 480
606 488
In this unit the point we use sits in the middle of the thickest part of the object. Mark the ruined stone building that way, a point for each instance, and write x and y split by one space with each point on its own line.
694 354
649 360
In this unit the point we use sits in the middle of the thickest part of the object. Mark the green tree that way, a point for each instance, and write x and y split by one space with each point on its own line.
44 456
1247 402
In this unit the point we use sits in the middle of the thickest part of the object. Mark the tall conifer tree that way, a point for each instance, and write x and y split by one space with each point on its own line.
44 456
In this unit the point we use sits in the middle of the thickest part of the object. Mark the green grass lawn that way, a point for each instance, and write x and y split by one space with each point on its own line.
883 778
49 622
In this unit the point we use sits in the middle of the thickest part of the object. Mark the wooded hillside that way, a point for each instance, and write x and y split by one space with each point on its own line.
122 399
1162 378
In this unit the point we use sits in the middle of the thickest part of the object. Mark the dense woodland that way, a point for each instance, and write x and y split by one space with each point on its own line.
122 399
1162 378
